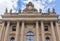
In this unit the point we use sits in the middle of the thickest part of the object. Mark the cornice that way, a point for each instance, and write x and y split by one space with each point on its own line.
28 15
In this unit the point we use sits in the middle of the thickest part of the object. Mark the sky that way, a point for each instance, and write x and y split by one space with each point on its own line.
15 5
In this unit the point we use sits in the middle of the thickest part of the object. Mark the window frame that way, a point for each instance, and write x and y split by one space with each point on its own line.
47 39
12 39
46 28
13 29
29 36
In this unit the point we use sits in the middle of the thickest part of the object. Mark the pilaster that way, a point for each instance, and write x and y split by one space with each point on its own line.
17 31
42 31
7 29
37 30
2 31
53 32
57 31
22 31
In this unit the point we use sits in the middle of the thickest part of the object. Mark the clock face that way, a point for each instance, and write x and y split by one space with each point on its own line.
30 7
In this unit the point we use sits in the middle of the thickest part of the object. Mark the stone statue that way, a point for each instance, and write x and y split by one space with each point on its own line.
53 10
40 10
19 11
6 10
11 11
48 10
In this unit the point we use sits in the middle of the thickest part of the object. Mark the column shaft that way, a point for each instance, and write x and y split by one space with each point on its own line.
22 31
6 33
2 30
17 31
42 31
53 32
57 31
37 31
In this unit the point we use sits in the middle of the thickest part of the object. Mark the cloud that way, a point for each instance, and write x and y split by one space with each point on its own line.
51 1
44 1
7 4
20 4
37 4
43 4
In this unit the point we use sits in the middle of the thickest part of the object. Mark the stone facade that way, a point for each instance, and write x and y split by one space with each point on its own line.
16 26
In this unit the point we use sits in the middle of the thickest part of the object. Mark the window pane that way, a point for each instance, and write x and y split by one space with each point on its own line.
46 28
13 28
12 39
47 39
30 36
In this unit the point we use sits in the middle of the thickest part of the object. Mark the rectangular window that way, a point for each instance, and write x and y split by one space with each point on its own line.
46 28
13 28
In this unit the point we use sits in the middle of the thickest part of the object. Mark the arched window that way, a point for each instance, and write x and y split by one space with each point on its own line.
12 39
30 36
47 39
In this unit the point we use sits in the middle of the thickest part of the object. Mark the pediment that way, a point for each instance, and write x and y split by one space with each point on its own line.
30 8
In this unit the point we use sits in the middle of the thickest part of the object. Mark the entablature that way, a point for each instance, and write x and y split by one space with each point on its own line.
29 15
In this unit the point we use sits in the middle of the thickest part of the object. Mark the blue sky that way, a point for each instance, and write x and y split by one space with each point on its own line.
15 5
57 6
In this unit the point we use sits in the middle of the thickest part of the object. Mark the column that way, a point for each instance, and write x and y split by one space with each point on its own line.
53 32
22 31
37 31
7 29
57 31
17 31
2 30
42 31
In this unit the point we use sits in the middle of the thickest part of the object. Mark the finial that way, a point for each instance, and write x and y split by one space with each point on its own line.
30 4
40 10
11 11
6 10
19 10
53 10
48 10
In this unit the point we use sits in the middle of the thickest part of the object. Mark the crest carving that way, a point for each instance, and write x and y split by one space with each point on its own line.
29 8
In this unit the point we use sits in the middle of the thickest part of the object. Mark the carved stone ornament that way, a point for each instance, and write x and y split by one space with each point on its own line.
30 7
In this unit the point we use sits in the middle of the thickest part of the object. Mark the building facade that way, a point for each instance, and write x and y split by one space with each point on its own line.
30 25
